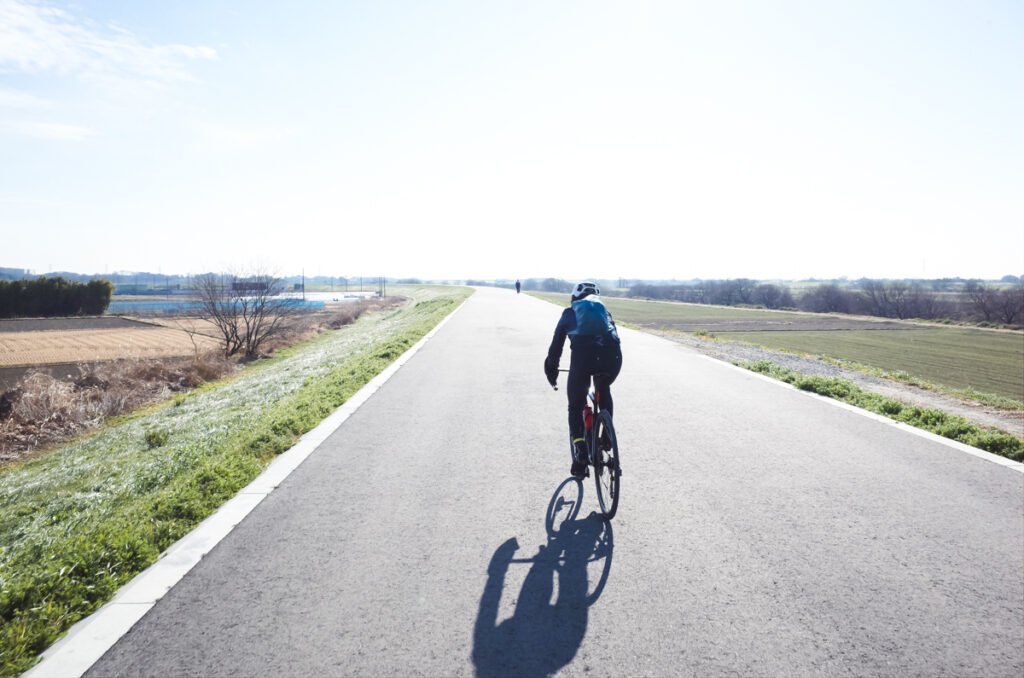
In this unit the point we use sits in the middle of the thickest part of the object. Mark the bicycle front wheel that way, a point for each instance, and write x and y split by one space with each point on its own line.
607 472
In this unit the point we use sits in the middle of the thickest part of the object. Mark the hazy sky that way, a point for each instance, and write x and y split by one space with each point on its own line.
762 139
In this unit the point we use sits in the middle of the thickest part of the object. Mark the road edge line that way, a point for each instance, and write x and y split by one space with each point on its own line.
92 636
934 437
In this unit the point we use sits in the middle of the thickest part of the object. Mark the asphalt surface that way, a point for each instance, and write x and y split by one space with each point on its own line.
761 532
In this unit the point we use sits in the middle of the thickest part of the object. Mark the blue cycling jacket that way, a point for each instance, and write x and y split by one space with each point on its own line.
587 323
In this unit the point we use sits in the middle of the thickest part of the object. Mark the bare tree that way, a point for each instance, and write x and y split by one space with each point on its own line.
983 298
1009 304
924 302
899 299
827 298
875 296
247 311
772 296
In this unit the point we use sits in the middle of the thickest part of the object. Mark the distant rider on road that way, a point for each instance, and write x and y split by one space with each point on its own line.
594 346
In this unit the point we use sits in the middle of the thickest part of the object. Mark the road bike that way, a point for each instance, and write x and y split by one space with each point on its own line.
602 450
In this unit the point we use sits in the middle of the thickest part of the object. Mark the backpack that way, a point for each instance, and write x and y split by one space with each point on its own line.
592 317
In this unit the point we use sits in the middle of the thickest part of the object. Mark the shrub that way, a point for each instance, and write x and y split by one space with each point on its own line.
156 438
50 297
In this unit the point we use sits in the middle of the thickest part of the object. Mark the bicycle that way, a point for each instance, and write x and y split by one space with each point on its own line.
602 450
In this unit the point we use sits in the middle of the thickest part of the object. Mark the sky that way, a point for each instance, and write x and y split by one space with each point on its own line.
769 139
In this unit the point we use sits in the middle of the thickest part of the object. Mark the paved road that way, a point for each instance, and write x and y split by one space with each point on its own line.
762 532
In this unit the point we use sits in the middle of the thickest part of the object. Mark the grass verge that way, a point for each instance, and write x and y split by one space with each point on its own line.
946 425
81 521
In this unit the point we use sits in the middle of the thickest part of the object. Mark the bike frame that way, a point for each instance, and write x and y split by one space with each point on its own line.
594 405
606 472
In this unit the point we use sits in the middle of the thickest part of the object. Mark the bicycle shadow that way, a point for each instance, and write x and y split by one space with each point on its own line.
543 636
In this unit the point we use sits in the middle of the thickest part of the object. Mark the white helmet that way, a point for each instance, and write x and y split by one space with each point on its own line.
583 289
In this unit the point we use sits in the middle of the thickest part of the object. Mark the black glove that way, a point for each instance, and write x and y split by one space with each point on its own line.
551 371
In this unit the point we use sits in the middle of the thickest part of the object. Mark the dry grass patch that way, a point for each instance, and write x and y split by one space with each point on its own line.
335 316
42 411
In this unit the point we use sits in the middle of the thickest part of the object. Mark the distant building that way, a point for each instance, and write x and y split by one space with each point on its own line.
245 286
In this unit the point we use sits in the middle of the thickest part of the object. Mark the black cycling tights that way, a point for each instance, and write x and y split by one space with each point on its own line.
585 363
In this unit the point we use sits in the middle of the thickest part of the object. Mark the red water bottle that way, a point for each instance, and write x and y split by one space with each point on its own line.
588 417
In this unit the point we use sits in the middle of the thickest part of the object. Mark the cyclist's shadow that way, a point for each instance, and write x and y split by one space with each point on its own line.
543 635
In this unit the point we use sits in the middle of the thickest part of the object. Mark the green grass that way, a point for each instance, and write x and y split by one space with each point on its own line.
947 425
953 357
81 521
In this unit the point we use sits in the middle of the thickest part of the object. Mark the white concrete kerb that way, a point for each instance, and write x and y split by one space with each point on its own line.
934 437
90 638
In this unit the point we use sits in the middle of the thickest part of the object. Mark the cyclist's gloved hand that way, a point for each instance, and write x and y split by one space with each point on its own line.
551 371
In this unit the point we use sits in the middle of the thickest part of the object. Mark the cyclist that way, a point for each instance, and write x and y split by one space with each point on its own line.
594 346
517 287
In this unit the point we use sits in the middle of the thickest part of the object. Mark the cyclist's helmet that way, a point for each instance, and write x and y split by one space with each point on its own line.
583 289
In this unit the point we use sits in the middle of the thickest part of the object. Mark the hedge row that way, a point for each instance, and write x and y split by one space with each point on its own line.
53 297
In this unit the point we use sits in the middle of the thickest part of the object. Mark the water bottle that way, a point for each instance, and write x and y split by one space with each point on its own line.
588 417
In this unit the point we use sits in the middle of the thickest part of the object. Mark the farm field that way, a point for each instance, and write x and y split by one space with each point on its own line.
954 357
44 347
673 315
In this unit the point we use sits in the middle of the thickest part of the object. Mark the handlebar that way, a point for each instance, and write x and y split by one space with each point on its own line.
555 385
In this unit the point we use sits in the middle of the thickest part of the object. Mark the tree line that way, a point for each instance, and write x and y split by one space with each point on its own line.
53 297
977 302
738 292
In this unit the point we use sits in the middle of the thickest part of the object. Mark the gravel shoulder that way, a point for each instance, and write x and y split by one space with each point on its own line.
982 415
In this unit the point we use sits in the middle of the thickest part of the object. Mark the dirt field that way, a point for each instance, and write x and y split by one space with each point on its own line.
59 346
63 341
47 324
47 347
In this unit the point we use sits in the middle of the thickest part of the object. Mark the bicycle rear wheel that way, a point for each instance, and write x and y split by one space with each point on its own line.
607 472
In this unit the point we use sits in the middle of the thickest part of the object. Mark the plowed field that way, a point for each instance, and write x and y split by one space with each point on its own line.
90 345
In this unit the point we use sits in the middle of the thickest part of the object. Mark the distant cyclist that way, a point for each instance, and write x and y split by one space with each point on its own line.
517 287
594 346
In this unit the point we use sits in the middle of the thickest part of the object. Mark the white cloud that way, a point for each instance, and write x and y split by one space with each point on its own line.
10 98
37 38
49 130
214 136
